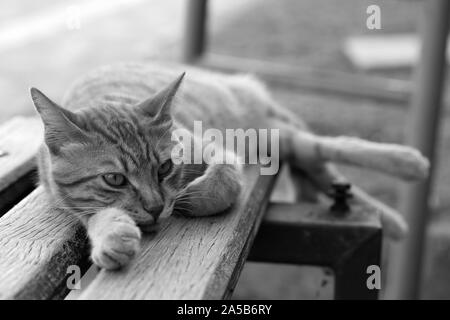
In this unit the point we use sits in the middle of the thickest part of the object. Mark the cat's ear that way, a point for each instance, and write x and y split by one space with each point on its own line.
60 124
159 106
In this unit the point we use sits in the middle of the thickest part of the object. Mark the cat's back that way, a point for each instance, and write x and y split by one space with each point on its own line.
218 100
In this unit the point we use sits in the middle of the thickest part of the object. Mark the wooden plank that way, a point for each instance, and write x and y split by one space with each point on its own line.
307 78
85 280
37 244
309 234
199 258
20 139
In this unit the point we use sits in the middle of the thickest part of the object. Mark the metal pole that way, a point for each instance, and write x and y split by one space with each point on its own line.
405 260
195 33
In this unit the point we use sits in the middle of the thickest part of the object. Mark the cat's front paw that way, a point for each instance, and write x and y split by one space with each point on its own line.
117 245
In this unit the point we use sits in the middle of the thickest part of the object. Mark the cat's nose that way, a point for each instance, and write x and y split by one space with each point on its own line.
154 211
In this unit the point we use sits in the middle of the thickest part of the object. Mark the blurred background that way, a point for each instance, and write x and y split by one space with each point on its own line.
50 43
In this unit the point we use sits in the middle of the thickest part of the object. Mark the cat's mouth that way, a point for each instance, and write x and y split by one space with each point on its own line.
151 225
148 227
154 226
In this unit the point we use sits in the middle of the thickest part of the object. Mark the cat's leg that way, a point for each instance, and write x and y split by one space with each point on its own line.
300 169
114 238
215 191
309 151
400 161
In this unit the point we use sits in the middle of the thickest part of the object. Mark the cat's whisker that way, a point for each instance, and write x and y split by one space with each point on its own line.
57 202
193 195
185 191
181 210
192 171
81 207
190 195
189 201
70 221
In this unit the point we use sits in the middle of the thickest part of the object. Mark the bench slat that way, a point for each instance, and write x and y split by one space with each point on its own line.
20 139
37 244
198 258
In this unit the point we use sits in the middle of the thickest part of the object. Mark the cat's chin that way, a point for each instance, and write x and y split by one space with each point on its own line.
149 227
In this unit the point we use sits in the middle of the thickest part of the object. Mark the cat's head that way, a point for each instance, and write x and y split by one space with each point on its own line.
113 155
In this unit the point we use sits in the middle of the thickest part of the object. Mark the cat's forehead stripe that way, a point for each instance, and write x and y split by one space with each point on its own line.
124 131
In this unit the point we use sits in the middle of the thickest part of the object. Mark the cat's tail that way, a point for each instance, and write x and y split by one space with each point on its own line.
401 161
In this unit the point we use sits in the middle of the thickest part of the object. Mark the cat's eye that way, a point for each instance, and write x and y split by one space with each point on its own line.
165 168
115 179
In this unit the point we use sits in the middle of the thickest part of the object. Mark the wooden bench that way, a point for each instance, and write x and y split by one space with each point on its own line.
190 258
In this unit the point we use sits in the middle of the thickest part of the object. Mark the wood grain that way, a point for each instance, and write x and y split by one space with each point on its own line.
37 244
196 258
20 139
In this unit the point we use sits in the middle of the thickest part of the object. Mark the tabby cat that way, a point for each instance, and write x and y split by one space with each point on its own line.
107 151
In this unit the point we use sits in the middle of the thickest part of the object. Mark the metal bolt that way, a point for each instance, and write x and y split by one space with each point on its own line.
340 193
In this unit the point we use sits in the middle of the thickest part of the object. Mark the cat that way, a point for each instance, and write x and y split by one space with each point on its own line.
106 155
